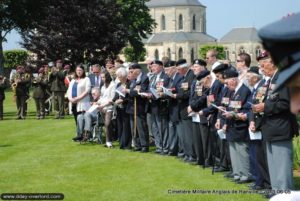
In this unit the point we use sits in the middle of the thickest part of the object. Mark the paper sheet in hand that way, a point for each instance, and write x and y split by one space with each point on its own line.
255 135
143 94
120 90
92 108
221 134
195 117
155 94
218 107
167 92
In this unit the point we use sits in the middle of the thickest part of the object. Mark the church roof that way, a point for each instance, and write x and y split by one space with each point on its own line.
171 3
239 35
179 37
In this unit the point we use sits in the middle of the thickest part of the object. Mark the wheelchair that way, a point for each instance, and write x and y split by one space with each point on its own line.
97 133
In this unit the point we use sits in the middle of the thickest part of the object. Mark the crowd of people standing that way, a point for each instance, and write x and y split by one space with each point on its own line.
203 117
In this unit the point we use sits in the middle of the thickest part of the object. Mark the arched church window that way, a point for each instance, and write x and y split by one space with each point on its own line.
156 54
169 53
180 53
194 22
163 22
180 22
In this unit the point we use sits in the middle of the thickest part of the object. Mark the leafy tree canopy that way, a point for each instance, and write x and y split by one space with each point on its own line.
18 15
91 30
220 49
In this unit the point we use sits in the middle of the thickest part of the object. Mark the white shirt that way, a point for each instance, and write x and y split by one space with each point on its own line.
84 85
107 94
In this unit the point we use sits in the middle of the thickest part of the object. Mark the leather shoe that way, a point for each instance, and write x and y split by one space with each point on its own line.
243 181
77 138
221 169
158 151
145 150
137 149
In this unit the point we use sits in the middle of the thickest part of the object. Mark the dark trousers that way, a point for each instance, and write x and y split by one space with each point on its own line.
186 136
141 139
263 178
197 143
21 106
123 128
224 153
173 137
159 125
40 107
1 109
206 143
74 111
59 103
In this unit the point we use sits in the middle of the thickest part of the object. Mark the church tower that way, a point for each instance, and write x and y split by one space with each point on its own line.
180 30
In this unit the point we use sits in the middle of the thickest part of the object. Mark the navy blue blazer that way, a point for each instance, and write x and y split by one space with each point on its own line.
173 103
183 95
215 90
142 102
278 122
92 79
237 130
158 106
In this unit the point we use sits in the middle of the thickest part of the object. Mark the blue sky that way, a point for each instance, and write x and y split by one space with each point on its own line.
223 15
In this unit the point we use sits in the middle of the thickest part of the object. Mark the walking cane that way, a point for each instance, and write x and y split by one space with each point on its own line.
134 122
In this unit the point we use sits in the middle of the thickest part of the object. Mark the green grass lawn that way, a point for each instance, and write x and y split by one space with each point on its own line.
38 156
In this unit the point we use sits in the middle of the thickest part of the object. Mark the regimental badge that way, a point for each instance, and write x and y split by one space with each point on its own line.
185 86
235 104
225 101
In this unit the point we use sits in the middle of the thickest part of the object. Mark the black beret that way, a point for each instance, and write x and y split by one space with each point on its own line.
229 73
254 69
135 66
220 68
200 62
282 40
170 64
203 74
157 62
181 62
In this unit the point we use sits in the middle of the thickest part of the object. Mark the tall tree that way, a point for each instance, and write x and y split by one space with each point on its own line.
18 15
83 30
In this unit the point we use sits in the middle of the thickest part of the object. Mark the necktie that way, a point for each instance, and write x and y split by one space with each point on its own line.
153 81
96 81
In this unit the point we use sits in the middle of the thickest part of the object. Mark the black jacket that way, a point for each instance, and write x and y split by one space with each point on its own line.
173 103
237 130
278 122
143 83
183 95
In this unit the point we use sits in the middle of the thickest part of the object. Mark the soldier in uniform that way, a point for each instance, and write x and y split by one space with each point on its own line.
20 82
58 89
39 93
3 86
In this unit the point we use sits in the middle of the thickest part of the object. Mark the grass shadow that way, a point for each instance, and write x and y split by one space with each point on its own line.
5 145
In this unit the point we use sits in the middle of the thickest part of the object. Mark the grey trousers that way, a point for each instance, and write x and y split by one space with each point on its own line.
186 137
239 154
85 122
280 164
159 124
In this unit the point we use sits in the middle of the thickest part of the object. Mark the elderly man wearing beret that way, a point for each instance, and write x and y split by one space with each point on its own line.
282 40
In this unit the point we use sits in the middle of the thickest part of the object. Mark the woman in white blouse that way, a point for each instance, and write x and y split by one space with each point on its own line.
106 107
78 95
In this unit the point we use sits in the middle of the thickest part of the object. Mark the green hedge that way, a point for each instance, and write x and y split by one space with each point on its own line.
14 58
